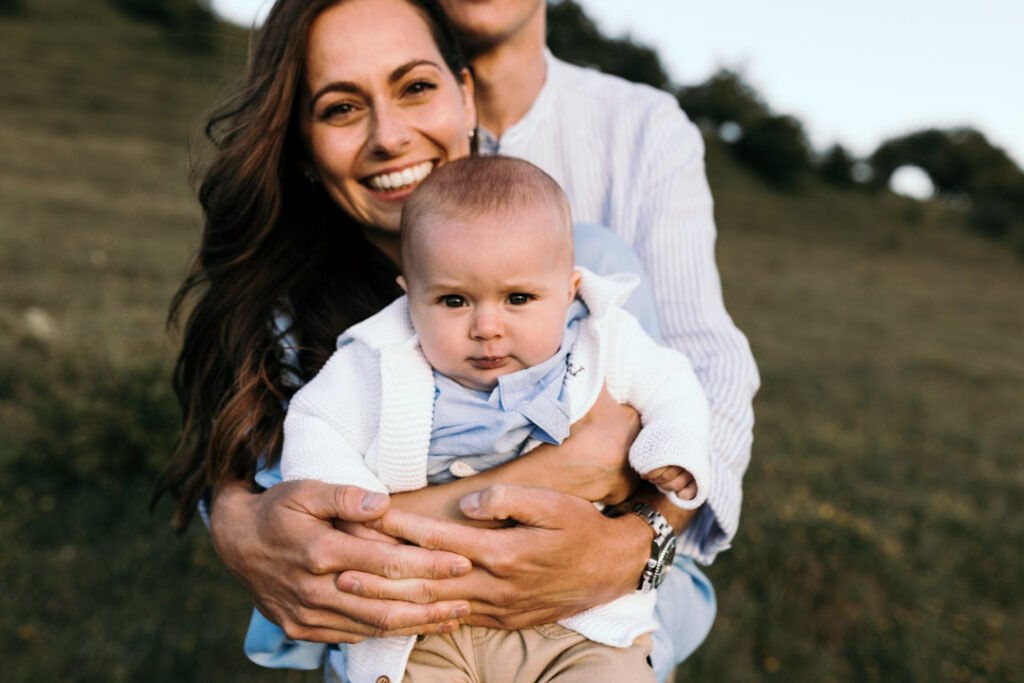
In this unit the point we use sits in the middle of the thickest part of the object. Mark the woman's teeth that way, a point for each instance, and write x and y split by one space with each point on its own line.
389 182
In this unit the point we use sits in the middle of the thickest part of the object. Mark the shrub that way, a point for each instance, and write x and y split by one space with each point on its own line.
836 166
725 97
776 148
574 37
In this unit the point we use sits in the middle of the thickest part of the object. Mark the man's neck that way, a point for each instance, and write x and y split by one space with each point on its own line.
508 77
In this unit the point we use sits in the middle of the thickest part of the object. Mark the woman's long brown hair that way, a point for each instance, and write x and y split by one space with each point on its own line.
273 243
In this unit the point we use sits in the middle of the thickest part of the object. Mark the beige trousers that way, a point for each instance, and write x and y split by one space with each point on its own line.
549 652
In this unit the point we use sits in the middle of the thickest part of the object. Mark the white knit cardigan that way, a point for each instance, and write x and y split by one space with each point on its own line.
336 430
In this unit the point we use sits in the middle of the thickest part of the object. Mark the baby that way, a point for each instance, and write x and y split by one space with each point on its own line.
500 344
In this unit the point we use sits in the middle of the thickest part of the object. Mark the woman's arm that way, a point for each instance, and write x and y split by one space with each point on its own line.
591 464
281 547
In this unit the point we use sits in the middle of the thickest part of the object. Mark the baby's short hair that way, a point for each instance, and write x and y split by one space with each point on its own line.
477 185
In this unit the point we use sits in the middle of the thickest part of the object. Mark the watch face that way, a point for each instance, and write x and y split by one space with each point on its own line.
665 557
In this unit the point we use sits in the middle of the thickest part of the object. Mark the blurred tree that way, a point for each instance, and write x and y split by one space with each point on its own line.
836 166
776 148
574 37
962 163
725 97
11 8
959 161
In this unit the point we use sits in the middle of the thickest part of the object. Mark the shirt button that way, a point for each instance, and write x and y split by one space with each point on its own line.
383 679
461 469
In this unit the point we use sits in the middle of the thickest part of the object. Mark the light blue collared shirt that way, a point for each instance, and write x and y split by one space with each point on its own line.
476 430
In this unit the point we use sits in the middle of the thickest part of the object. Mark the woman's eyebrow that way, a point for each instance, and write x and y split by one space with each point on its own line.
409 66
334 86
350 87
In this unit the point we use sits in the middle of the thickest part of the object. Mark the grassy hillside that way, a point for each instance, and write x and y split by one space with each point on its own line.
879 539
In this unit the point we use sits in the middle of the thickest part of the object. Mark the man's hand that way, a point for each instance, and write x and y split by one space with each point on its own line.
280 544
593 463
563 557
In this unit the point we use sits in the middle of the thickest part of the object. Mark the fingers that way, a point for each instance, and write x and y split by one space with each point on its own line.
389 617
338 552
688 489
418 591
365 617
656 474
351 503
433 534
361 530
529 506
672 479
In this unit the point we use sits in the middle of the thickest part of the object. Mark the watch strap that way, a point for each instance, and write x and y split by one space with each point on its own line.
662 547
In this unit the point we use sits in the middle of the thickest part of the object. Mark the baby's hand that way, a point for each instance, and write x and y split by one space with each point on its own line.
674 479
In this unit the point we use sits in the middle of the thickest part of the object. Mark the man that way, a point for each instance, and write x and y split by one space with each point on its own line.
630 160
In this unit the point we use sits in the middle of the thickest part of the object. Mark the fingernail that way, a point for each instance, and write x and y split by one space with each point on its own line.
459 612
349 585
460 569
471 503
372 501
447 627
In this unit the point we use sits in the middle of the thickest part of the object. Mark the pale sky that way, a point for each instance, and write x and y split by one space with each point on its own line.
852 72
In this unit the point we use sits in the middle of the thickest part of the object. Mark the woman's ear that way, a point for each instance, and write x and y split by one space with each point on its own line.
468 103
401 283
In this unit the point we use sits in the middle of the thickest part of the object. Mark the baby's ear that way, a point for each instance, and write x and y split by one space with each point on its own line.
574 283
401 283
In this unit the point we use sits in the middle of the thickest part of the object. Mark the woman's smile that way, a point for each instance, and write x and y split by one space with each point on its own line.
400 180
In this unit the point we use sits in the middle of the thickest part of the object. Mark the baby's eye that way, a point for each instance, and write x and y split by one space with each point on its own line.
452 301
519 299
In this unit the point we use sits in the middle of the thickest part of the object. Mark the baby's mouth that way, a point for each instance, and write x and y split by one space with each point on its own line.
489 362
399 180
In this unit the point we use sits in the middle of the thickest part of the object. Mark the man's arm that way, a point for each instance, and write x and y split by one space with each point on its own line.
676 241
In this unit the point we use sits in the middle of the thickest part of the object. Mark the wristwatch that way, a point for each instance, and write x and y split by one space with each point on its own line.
663 547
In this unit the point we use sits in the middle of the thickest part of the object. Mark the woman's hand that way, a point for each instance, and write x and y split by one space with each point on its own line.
562 558
280 544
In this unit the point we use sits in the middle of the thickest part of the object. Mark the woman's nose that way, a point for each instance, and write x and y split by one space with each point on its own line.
389 134
487 323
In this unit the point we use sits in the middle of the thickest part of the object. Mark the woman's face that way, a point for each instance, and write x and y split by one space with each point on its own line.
380 109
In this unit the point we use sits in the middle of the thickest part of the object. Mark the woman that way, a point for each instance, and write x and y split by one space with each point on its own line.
313 162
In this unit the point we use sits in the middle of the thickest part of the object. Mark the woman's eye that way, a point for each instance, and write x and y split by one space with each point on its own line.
337 110
518 299
452 301
420 87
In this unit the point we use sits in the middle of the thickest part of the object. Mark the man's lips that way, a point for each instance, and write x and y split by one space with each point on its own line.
489 362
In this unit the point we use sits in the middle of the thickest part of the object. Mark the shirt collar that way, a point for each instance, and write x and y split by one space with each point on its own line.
524 127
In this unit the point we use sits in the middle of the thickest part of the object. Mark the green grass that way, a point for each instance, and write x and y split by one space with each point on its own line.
879 538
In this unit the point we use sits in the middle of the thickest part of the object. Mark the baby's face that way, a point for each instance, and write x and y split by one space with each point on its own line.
488 295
